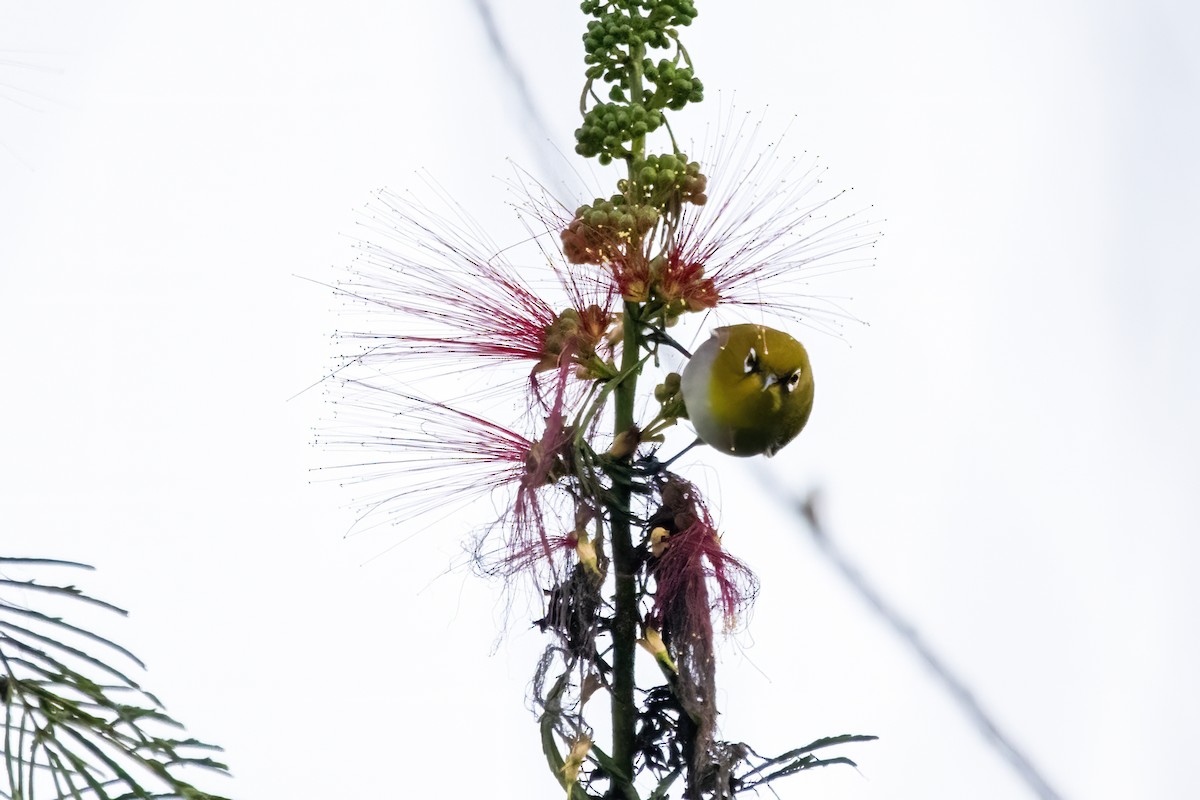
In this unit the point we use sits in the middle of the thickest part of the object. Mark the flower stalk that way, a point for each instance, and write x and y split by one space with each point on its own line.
625 622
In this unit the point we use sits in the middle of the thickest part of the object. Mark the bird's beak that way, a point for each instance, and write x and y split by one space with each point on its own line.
770 379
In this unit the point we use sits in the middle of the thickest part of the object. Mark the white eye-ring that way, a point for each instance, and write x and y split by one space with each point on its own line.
792 381
751 364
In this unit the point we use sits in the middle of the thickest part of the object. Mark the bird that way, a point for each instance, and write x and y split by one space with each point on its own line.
748 390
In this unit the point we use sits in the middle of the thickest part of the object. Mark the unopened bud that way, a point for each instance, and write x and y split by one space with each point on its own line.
616 331
652 641
668 388
659 541
585 548
574 761
625 443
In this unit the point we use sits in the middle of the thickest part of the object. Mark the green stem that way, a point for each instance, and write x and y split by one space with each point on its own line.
625 617
583 420
637 54
625 622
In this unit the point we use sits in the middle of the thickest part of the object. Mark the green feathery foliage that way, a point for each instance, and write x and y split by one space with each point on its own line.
75 724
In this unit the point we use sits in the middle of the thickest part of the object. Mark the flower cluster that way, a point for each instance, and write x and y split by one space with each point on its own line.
433 300
687 564
436 288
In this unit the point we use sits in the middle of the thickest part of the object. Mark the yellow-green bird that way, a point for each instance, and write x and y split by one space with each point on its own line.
748 390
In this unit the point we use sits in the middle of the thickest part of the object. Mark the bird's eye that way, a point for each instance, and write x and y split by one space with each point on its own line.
751 361
792 381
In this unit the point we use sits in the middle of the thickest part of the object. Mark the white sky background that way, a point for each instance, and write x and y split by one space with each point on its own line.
1009 449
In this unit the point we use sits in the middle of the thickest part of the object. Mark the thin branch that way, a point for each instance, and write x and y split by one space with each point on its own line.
535 128
951 683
